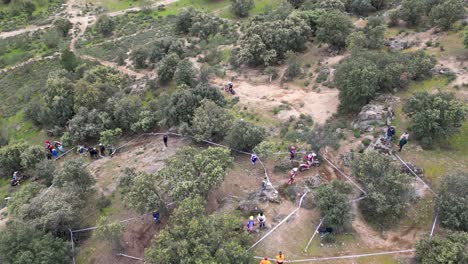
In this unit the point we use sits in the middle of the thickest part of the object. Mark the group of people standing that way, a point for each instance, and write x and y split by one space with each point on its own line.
279 259
54 150
390 133
251 223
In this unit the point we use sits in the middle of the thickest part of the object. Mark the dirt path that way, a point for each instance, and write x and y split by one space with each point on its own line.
32 60
27 29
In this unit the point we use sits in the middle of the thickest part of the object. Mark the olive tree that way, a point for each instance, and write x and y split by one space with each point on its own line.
210 122
434 116
451 249
105 25
31 156
87 124
333 28
193 236
447 12
185 73
388 190
240 8
244 135
333 203
451 202
112 232
74 177
412 11
143 194
167 67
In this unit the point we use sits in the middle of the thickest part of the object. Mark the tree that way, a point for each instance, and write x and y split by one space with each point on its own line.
332 201
322 136
68 60
45 171
22 244
10 158
356 41
332 5
23 197
87 125
110 136
126 112
362 7
28 7
31 156
63 26
191 172
357 79
374 31
420 64
139 57
180 106
265 149
105 25
388 190
210 122
240 8
333 28
244 135
142 193
412 11
446 13
296 3
434 116
54 211
74 177
59 98
146 121
451 249
185 73
451 202
194 237
111 232
167 67
294 66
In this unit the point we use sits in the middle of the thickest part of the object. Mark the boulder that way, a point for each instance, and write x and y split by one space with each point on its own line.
418 170
378 113
313 181
378 146
249 207
228 204
398 44
295 191
348 158
270 195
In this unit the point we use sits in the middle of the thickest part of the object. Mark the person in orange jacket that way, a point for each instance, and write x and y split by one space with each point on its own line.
280 258
265 261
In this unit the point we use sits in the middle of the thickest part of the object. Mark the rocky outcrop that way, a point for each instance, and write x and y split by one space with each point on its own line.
398 44
378 113
379 146
418 170
270 195
313 181
249 207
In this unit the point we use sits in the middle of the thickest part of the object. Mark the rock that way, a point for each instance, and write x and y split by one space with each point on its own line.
379 147
270 195
278 218
249 207
313 181
398 44
228 204
294 192
308 202
378 113
418 170
442 71
347 158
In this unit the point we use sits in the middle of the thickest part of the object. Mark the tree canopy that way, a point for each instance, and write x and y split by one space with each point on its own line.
388 190
452 202
210 122
333 28
451 249
244 135
194 237
333 203
434 116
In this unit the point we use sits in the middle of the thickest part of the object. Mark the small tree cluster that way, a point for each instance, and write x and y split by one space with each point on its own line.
362 75
451 249
333 203
240 8
434 116
201 25
441 13
195 237
333 28
451 202
105 25
388 190
244 136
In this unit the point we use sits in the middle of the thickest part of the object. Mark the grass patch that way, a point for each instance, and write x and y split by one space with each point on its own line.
437 82
17 129
205 5
452 44
459 141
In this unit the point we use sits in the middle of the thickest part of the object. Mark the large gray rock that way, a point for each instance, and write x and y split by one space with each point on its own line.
313 181
249 207
398 44
270 195
379 146
378 113
418 170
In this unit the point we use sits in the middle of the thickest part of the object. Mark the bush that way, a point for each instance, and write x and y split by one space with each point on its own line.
31 156
451 202
412 11
63 26
244 136
451 249
185 73
210 122
447 12
105 25
333 28
321 137
388 190
434 116
10 158
74 178
240 8
294 66
332 201
68 60
167 67
86 125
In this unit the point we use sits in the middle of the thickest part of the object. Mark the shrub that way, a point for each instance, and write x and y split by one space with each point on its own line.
63 26
240 8
451 202
244 136
294 66
333 28
451 249
210 122
332 201
105 25
434 116
185 73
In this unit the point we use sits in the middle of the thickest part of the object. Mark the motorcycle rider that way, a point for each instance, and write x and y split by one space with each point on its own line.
310 158
292 175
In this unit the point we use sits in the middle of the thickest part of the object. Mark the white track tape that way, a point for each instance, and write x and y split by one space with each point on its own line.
434 224
280 223
130 257
313 235
417 177
348 256
342 173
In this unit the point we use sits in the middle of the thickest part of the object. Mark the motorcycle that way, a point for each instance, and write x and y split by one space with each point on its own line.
229 89
18 179
307 165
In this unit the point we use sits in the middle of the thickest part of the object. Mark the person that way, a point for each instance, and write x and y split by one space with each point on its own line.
229 86
102 149
264 184
265 261
310 158
15 179
261 220
49 156
81 149
165 137
403 140
389 134
292 153
49 146
250 224
156 217
109 149
55 153
58 145
292 175
280 258
253 159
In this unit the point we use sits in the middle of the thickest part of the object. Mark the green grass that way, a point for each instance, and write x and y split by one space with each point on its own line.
18 129
459 141
205 5
261 6
438 82
116 5
453 46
